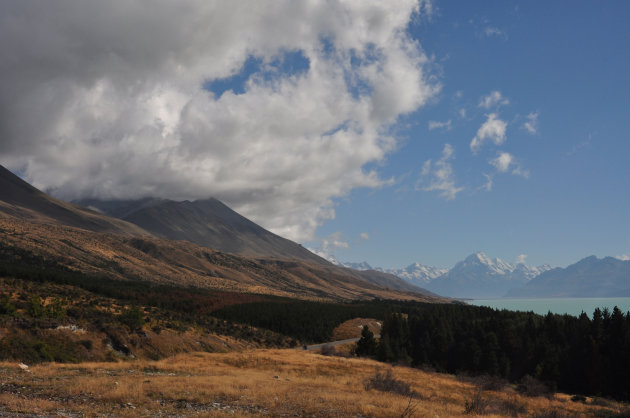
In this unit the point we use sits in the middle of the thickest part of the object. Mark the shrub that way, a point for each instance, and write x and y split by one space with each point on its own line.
476 405
530 386
386 382
513 407
88 344
133 318
328 350
6 307
35 308
553 413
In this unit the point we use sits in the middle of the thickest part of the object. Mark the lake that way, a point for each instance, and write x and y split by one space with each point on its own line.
571 306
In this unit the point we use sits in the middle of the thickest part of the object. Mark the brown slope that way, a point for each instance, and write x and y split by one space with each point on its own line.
97 244
212 224
21 200
182 263
390 281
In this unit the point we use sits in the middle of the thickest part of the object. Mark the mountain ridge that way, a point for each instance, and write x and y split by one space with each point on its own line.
207 222
589 277
93 243
21 200
477 276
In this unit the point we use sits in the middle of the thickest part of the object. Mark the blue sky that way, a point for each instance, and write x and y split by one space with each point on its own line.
388 132
567 63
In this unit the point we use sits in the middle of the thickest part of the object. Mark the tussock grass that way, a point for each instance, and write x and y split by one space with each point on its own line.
256 382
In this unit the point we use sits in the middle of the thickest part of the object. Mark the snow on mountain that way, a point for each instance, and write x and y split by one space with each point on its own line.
415 273
479 276
589 277
418 274
360 266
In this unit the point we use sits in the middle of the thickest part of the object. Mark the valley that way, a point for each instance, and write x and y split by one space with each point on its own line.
161 319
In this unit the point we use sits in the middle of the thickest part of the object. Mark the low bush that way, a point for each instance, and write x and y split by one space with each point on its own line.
476 405
386 382
533 387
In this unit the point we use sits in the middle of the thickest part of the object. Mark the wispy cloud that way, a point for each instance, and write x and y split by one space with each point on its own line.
440 175
487 186
329 245
580 145
623 257
493 129
504 162
494 31
531 125
364 236
495 98
433 124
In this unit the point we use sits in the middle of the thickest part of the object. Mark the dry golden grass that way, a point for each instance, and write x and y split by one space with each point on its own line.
274 382
352 328
185 264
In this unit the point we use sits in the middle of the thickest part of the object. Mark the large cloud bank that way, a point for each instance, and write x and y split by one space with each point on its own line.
106 99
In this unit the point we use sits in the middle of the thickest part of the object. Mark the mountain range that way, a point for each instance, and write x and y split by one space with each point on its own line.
415 273
162 245
589 277
477 276
480 277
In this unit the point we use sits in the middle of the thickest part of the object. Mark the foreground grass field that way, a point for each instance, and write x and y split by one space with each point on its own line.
264 382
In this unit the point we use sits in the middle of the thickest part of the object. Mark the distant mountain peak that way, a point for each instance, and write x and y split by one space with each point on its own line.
589 277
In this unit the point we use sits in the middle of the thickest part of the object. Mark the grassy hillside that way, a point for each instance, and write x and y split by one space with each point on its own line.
183 264
269 382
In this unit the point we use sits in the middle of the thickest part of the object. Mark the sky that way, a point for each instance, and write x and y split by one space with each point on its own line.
387 132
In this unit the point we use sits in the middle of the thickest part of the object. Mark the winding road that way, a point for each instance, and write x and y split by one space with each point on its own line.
333 343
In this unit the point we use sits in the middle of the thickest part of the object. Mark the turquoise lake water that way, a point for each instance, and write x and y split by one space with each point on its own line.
571 306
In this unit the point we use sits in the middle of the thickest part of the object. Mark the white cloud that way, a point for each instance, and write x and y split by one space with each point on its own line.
493 129
489 182
521 259
494 31
329 245
502 162
433 124
364 236
531 125
440 175
623 257
493 99
505 161
105 99
462 113
519 171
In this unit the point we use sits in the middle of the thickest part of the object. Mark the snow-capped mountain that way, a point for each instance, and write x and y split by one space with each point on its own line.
589 277
360 266
415 273
479 276
418 274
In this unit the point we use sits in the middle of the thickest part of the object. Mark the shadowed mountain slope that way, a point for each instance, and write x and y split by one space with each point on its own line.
212 224
21 200
205 222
